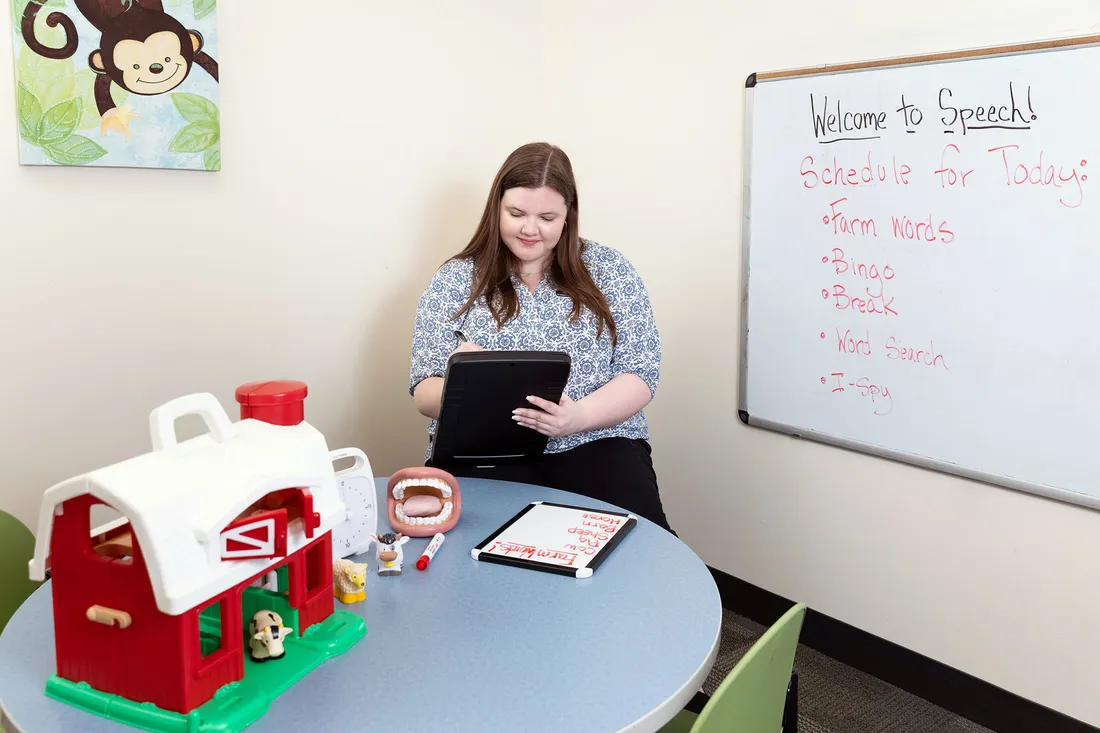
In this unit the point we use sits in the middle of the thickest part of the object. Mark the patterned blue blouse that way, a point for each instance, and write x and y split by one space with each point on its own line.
542 323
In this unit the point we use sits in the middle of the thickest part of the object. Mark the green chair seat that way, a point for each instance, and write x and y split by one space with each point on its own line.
753 696
16 552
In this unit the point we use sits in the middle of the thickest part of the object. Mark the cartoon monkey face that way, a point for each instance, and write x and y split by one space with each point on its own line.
153 66
146 53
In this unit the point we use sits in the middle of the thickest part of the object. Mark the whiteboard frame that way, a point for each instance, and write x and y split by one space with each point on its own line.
594 561
743 414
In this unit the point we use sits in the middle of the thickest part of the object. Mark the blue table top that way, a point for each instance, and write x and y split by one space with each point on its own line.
468 645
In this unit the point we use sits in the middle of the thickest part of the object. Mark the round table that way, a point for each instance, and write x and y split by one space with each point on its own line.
468 645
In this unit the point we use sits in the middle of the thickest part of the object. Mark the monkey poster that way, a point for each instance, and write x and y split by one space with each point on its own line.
119 83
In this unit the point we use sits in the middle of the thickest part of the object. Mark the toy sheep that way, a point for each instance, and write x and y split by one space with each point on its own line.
348 580
388 551
267 636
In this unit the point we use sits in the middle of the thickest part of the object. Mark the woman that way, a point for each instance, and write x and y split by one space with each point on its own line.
528 281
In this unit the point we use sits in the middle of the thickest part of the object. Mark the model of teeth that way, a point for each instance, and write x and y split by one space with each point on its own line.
399 489
423 501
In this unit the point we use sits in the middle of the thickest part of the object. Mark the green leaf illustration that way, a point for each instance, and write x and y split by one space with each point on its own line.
195 108
85 92
212 159
195 138
74 150
58 122
204 8
50 80
30 113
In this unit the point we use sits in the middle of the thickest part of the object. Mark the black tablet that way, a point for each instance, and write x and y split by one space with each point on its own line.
480 390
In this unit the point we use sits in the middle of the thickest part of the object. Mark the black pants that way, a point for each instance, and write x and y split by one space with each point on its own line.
616 470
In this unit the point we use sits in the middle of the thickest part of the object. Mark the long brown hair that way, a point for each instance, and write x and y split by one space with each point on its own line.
532 166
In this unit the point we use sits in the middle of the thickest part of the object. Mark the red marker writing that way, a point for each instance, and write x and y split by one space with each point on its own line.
429 551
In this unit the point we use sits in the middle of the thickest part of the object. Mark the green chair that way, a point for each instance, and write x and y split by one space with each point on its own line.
753 698
16 551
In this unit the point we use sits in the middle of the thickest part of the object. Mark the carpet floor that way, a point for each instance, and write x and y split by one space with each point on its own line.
835 698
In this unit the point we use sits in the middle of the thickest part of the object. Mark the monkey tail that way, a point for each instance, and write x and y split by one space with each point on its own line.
52 20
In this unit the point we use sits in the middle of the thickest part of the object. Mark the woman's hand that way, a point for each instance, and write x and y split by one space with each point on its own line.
467 346
565 418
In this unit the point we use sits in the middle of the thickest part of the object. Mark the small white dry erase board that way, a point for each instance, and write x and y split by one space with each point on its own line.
556 538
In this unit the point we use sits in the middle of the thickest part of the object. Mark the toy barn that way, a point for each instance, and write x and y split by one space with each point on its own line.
155 606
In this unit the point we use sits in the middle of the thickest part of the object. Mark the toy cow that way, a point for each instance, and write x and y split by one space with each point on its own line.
268 633
348 580
388 552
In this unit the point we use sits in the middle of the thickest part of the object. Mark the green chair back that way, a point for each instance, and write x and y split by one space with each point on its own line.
753 695
16 551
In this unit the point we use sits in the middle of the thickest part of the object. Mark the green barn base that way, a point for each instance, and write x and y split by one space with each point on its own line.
236 705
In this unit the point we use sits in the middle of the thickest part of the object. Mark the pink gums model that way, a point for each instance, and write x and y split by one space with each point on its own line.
422 501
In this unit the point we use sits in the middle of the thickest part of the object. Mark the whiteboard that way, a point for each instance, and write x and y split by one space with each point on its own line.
557 538
921 262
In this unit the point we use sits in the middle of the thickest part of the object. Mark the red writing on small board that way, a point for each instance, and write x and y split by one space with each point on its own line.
555 535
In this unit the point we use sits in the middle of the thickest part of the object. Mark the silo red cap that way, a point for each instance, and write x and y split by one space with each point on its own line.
281 402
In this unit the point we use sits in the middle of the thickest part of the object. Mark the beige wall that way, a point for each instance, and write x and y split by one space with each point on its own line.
345 182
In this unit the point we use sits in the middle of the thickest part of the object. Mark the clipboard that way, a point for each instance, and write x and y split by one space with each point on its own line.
556 538
480 390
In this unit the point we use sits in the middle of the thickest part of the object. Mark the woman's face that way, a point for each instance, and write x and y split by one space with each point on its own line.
531 223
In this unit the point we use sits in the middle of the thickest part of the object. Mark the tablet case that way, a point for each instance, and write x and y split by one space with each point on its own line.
480 390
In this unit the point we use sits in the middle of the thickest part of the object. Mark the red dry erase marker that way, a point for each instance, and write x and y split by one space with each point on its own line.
429 551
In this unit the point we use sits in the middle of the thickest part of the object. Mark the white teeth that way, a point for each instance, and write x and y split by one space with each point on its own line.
435 483
440 518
